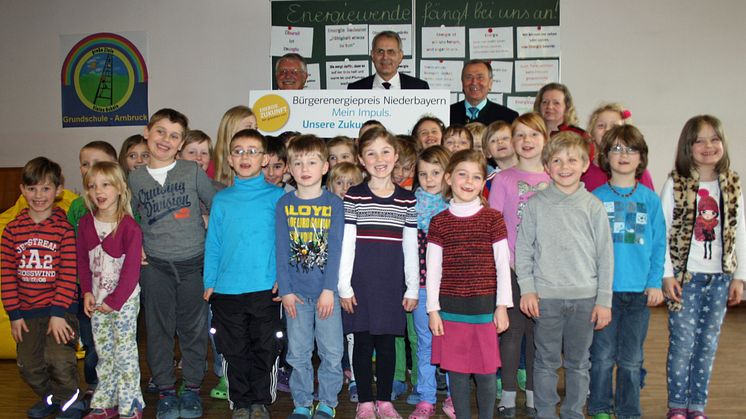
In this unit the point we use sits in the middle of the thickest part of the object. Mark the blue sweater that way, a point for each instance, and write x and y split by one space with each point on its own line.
240 244
638 230
309 243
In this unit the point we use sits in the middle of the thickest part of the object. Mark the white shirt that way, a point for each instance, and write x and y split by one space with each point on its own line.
395 82
160 174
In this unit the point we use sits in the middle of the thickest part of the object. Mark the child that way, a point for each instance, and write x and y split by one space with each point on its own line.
235 119
371 123
341 149
428 131
511 190
134 153
343 176
468 285
477 130
240 271
197 148
431 166
403 174
564 263
277 168
457 138
379 260
109 254
701 272
497 147
310 224
90 154
639 236
166 194
603 119
39 292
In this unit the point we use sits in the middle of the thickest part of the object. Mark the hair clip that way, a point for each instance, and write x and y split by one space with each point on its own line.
626 114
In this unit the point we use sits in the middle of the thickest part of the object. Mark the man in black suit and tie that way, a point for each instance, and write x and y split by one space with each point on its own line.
476 80
387 54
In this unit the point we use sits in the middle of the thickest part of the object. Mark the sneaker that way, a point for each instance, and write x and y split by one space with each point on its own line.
448 408
386 410
42 409
423 410
241 413
602 415
301 412
353 391
283 380
499 393
695 414
108 413
167 408
87 396
413 398
521 378
190 405
258 411
505 412
324 411
137 414
676 413
365 410
397 389
220 391
531 412
74 411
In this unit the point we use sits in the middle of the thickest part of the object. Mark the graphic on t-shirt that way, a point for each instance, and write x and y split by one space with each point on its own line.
628 221
707 221
161 201
526 191
309 238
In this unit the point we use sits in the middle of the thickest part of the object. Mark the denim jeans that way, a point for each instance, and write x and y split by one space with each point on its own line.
426 384
328 335
86 340
563 327
620 344
693 339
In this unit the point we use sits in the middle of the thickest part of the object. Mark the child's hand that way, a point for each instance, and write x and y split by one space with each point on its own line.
207 294
348 304
530 305
104 308
735 292
601 316
409 304
17 327
500 319
672 289
655 296
61 331
144 260
275 289
89 304
288 303
325 305
436 323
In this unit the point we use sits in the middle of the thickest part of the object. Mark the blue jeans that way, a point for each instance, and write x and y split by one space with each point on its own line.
619 343
328 335
563 327
693 339
86 340
426 384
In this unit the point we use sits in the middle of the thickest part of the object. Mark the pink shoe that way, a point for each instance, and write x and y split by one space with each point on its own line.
365 411
448 408
695 414
109 413
676 414
423 410
386 410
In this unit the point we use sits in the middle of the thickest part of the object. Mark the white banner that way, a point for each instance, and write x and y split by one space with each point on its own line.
328 113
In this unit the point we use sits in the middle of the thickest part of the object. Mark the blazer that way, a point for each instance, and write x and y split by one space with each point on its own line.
490 113
407 82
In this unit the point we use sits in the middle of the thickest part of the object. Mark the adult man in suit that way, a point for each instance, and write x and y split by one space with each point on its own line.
291 72
387 54
476 80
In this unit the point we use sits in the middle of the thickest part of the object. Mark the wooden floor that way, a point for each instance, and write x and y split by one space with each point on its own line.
727 389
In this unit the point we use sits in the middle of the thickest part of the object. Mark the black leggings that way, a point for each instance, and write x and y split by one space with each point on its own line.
362 363
510 343
461 394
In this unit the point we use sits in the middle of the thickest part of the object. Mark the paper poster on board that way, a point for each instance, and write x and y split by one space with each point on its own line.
502 76
521 104
341 73
347 40
286 39
538 42
491 43
531 75
406 67
444 42
313 80
404 31
442 74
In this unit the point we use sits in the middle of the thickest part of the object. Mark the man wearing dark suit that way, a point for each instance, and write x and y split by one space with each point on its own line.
476 80
386 54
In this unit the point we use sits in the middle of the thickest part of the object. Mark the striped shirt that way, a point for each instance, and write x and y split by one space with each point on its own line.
38 267
380 219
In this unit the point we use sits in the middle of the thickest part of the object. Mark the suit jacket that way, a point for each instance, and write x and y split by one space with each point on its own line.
490 113
407 82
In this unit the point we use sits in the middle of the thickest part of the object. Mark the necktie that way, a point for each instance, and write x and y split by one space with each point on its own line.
473 112
386 85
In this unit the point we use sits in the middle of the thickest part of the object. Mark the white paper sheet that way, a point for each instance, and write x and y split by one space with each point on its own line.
491 43
444 42
287 39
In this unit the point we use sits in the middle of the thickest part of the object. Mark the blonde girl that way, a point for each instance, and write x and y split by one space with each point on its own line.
342 177
109 250
235 119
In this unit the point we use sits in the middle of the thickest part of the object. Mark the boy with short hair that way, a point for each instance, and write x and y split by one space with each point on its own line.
310 225
167 194
276 169
564 262
39 292
240 275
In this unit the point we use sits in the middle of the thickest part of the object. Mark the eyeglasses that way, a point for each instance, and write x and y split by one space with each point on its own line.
619 149
381 51
251 152
290 71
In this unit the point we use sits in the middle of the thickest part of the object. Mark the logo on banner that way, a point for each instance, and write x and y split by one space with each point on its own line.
272 113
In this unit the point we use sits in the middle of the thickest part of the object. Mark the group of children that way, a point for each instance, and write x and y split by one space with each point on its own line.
505 259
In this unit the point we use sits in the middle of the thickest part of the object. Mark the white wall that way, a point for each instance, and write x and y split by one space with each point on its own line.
666 60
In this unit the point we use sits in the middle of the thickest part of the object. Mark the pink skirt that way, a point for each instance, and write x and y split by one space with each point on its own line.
467 348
